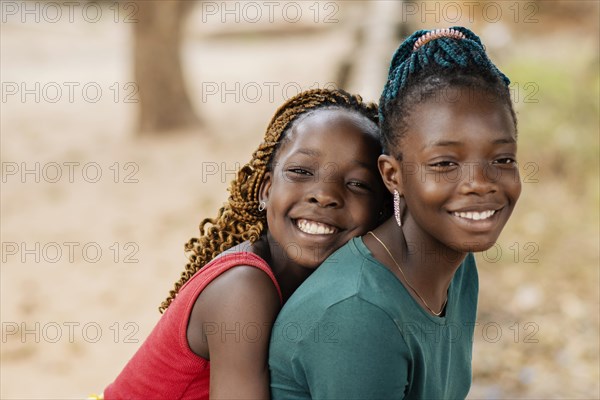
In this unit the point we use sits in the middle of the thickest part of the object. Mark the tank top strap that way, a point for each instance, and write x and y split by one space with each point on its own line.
227 261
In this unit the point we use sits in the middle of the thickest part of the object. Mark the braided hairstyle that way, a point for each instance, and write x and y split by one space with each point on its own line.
425 65
239 219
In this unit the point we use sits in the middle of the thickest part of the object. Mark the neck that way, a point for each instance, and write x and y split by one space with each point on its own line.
289 275
427 264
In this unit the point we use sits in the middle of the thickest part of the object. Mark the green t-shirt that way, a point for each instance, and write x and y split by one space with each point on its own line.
352 331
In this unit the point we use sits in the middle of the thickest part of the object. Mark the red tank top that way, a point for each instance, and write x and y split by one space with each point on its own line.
165 367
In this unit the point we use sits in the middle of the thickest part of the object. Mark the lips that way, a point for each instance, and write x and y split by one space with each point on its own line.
311 227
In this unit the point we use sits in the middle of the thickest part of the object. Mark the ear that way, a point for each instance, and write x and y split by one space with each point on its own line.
391 173
265 187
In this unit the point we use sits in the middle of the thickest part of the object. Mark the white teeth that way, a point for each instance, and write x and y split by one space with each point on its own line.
474 215
314 228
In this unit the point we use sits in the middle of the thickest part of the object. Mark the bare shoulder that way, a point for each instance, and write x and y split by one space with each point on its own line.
244 304
242 283
239 291
241 295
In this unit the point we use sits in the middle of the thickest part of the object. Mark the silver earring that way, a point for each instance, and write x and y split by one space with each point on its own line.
261 206
397 207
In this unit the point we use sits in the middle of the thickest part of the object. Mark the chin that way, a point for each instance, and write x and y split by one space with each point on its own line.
474 246
478 248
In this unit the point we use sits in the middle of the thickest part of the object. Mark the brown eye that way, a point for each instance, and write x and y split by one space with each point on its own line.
360 185
505 161
299 171
443 165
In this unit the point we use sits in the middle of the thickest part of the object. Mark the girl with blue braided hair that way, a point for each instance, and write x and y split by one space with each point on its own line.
391 314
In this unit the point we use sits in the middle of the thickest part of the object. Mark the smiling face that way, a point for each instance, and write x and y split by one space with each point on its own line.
324 187
458 172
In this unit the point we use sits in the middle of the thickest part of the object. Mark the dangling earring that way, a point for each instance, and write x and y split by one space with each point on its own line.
397 207
261 206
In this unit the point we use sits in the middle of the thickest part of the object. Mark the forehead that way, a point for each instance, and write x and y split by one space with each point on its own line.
463 114
332 131
333 118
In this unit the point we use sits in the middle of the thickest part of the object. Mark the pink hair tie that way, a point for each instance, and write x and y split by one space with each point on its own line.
436 34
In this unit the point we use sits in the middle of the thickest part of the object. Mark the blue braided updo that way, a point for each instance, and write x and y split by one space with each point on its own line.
427 63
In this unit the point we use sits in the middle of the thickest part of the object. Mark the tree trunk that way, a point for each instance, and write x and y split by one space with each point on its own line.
165 105
375 31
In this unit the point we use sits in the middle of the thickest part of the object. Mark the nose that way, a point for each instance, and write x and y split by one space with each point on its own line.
326 195
480 178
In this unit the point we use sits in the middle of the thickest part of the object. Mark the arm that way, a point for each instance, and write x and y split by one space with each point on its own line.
234 316
358 354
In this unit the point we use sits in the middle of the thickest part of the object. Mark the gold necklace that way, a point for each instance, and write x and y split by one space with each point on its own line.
437 314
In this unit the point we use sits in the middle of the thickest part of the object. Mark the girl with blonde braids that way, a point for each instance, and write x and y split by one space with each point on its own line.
312 185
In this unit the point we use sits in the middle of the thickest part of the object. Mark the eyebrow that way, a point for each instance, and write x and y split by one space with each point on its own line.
442 143
447 143
505 141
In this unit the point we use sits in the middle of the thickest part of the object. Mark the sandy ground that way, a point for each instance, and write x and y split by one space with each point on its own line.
72 317
93 235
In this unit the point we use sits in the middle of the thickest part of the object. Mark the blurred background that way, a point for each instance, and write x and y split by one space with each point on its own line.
123 121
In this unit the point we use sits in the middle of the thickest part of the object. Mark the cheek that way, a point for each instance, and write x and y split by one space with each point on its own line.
274 209
515 186
428 189
365 213
509 181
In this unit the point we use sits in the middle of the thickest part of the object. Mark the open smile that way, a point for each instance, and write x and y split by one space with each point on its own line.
475 215
480 220
315 228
